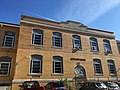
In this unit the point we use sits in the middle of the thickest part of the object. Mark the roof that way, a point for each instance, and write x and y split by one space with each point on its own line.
9 24
66 22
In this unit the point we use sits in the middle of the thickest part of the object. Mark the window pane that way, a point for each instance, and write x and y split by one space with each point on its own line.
107 46
76 42
97 66
36 64
57 64
4 68
111 66
37 37
8 41
94 45
57 39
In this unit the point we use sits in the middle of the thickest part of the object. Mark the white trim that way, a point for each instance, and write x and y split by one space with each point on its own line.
39 80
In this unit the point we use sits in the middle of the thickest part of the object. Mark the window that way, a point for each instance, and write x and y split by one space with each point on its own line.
36 64
8 40
37 37
111 67
79 71
94 44
97 66
57 39
5 64
57 65
76 42
107 46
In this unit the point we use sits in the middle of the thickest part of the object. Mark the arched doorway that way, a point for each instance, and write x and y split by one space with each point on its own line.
79 72
79 75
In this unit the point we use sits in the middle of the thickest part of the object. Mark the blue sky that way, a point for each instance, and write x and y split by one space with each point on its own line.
99 14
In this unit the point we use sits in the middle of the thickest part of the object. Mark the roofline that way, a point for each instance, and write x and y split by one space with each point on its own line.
101 30
25 16
68 29
9 24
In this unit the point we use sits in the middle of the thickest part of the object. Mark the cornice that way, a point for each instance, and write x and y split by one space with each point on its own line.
82 30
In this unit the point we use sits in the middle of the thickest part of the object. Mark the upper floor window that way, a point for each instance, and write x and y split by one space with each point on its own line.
111 66
97 66
57 65
5 65
107 46
8 40
76 42
94 44
57 39
36 64
37 37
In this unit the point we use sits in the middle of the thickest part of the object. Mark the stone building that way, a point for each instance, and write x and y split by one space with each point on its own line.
46 50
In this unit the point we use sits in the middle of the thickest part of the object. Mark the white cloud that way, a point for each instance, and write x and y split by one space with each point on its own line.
86 10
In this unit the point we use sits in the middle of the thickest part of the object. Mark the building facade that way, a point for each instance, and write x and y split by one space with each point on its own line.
47 50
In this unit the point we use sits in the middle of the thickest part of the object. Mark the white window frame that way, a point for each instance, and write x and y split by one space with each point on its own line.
97 65
41 40
54 65
111 64
94 47
76 46
40 68
5 40
8 69
107 46
54 40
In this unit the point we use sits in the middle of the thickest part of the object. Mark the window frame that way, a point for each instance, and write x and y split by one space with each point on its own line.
5 40
94 44
111 63
60 63
97 66
37 32
54 40
32 62
78 39
8 68
107 46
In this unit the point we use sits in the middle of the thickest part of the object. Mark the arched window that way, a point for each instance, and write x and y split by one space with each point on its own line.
97 66
5 65
36 64
111 66
76 42
107 46
94 44
8 40
37 37
57 39
57 65
79 71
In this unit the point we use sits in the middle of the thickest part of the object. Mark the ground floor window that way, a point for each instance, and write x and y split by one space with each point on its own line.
97 66
111 67
57 65
5 64
36 64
